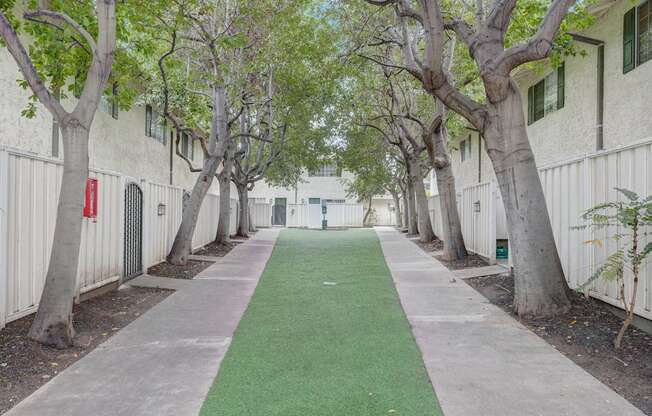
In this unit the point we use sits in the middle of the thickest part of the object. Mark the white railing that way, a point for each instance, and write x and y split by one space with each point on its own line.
29 191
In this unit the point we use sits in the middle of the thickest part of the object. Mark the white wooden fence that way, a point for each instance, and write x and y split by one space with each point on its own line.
338 215
261 214
478 205
570 188
481 217
576 185
345 215
297 215
29 190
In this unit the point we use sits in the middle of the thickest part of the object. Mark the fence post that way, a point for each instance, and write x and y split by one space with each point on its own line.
589 251
493 195
147 212
4 233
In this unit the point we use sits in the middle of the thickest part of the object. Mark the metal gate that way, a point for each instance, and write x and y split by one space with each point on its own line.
133 235
279 211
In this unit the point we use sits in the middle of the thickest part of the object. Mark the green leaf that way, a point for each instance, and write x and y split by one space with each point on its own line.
631 195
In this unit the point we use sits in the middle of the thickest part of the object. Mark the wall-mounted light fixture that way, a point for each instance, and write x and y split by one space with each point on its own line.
161 210
476 206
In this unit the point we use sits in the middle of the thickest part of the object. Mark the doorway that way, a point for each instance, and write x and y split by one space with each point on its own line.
279 212
133 232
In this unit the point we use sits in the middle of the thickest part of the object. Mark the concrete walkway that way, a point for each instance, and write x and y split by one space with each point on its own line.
164 362
480 360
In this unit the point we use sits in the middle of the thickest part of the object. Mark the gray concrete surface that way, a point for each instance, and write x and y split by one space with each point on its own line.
480 271
158 282
164 362
198 257
481 361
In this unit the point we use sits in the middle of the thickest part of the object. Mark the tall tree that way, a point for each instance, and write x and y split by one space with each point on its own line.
381 44
497 51
96 33
259 143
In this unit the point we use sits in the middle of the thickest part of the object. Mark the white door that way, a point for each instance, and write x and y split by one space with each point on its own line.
314 213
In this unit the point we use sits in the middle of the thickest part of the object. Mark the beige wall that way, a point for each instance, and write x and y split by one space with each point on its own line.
466 172
115 145
570 132
310 187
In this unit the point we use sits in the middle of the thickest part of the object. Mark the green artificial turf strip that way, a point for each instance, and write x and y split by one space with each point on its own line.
308 349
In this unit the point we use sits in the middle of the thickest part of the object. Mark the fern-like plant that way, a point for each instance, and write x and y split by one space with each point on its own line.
629 219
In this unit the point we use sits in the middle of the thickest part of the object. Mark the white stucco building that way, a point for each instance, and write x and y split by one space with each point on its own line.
590 130
598 104
321 195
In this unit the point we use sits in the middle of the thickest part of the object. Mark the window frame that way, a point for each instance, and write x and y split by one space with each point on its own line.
152 117
538 107
187 146
634 43
326 171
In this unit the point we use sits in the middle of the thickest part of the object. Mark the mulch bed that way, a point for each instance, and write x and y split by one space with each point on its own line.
189 271
472 260
585 335
435 245
194 267
26 365
217 249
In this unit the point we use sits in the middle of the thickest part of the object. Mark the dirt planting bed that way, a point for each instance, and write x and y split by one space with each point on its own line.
472 260
26 365
189 271
585 335
217 249
436 245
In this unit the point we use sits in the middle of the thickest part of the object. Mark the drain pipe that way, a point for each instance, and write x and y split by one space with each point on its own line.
599 139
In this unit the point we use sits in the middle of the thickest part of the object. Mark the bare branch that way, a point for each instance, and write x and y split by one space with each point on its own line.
539 46
57 19
17 50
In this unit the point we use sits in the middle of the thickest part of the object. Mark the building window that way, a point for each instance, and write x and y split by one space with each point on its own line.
546 96
326 171
463 150
186 145
334 201
637 36
154 124
110 104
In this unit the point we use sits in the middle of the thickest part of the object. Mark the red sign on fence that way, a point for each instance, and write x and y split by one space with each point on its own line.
90 202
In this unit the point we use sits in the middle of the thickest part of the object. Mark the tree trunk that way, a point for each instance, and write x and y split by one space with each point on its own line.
540 286
365 220
406 211
53 322
412 221
252 226
182 246
224 221
454 247
426 234
397 209
243 213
